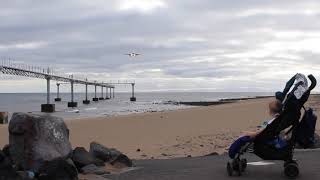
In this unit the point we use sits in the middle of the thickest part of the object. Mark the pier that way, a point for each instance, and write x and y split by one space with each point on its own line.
47 74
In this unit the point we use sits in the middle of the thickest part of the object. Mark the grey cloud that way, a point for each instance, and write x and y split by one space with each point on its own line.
188 39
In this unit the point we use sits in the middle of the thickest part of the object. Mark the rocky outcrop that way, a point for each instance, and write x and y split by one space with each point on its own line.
110 155
35 139
39 148
6 169
81 157
62 169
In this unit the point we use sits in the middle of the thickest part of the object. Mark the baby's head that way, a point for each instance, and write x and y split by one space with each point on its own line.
275 107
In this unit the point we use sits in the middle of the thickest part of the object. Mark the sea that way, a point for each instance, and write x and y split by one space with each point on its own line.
120 105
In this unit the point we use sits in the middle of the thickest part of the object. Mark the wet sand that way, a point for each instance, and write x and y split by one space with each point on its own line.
189 132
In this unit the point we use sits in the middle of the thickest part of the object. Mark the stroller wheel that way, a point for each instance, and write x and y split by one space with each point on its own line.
229 169
291 170
240 168
244 164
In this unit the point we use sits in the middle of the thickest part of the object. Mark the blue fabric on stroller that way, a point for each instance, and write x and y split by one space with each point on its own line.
243 140
238 144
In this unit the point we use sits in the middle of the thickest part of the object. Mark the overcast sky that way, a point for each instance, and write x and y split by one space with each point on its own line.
200 45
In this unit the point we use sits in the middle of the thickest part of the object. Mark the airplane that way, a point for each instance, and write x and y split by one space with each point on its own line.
133 54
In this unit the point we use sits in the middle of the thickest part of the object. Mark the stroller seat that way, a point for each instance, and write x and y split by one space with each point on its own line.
289 119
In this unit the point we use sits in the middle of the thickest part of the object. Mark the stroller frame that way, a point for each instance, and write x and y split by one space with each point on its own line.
290 117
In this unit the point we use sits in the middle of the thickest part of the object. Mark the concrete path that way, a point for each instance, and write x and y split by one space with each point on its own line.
214 167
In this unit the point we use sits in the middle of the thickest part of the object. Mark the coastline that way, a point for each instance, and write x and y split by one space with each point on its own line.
195 131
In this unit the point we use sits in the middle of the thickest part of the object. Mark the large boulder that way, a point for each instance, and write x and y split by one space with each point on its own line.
110 155
81 157
35 139
61 169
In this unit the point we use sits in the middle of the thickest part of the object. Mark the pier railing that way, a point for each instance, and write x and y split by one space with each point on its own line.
9 68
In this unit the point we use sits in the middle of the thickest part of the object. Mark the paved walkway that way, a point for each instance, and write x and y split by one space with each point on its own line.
214 167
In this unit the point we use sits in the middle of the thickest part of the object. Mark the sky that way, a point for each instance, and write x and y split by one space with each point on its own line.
186 45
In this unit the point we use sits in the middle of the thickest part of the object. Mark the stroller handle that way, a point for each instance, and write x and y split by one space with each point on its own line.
313 82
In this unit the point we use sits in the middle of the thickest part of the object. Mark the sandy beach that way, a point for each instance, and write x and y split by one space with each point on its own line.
181 133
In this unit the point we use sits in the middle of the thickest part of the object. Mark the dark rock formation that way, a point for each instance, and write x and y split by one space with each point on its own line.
35 139
6 169
6 150
93 169
58 169
101 152
110 155
81 157
122 161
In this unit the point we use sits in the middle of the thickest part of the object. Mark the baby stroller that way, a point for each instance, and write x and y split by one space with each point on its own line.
288 119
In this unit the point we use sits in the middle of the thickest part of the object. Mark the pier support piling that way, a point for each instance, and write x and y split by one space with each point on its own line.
72 103
101 98
113 93
132 97
48 107
95 94
86 101
58 93
107 95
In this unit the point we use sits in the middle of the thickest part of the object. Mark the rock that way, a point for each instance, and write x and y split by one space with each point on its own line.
4 117
26 175
58 169
9 175
81 157
93 169
122 161
35 139
101 152
6 169
6 150
138 150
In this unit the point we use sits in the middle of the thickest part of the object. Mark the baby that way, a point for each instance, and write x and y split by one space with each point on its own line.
275 108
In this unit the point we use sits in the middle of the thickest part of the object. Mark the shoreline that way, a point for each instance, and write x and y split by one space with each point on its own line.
190 132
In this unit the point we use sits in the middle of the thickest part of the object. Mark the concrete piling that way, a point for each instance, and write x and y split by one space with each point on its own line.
48 107
133 98
72 103
101 98
95 94
58 99
86 101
